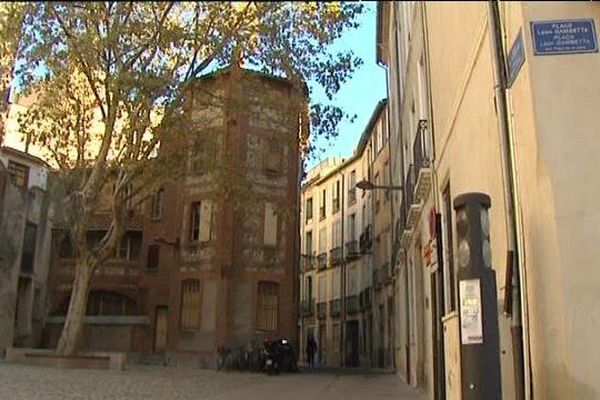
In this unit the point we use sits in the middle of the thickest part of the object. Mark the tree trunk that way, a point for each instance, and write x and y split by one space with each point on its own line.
68 344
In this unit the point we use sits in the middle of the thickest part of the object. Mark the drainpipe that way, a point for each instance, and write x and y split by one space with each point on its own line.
519 322
343 276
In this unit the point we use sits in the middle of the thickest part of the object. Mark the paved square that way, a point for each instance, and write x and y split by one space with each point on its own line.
21 382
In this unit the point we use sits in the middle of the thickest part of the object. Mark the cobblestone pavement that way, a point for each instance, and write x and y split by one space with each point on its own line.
20 382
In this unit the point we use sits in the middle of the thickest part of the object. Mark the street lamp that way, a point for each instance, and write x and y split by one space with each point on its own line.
368 185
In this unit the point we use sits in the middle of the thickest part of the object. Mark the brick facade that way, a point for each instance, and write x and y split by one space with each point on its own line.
226 252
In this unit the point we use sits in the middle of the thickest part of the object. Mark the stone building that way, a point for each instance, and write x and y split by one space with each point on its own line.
25 247
499 98
342 283
211 260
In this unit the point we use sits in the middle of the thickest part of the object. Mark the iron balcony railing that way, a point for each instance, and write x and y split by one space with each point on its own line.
322 310
308 308
322 261
352 249
421 157
366 240
308 262
335 256
351 305
408 191
335 307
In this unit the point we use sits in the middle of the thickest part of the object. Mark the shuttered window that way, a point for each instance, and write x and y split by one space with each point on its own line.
268 305
270 225
200 221
190 304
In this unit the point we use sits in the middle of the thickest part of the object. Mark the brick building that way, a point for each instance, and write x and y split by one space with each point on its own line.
210 259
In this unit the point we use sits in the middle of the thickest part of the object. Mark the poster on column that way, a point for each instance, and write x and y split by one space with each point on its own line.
471 326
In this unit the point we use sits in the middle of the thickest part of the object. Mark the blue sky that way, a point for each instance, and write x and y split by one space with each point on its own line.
362 93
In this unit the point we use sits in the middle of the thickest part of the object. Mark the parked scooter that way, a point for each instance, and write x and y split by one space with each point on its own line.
279 355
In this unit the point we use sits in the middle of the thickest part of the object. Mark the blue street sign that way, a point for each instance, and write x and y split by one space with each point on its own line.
516 58
564 37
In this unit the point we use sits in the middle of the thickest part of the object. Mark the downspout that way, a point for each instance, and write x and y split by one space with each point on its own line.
343 277
519 325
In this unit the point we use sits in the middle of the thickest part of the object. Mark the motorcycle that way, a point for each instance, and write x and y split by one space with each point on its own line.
279 354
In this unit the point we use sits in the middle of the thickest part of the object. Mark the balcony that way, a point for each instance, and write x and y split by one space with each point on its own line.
308 308
366 240
413 205
307 262
422 163
352 250
352 196
335 307
322 310
322 261
335 256
351 305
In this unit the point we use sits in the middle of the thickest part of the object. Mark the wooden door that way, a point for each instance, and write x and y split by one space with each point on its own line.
160 329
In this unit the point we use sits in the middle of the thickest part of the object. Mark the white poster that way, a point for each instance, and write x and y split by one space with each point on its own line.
471 326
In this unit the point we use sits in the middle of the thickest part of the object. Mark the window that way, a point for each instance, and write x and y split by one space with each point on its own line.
157 200
322 240
268 306
123 248
102 302
386 181
375 194
190 304
336 198
272 156
270 225
308 247
352 227
153 257
322 289
129 247
323 203
29 242
19 173
352 187
309 288
66 248
309 209
200 221
204 154
336 234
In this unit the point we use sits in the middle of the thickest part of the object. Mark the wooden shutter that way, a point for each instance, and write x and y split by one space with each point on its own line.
270 225
190 304
205 220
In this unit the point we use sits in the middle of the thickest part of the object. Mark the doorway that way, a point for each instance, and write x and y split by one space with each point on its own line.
321 348
352 343
160 329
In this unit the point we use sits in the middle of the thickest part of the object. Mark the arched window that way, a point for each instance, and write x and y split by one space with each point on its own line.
190 304
268 306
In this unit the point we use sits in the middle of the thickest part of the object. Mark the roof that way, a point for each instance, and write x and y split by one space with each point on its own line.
362 143
26 156
226 70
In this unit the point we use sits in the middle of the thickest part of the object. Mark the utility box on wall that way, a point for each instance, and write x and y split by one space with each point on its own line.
452 355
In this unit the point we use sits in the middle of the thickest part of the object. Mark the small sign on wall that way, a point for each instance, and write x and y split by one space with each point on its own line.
564 37
471 325
516 58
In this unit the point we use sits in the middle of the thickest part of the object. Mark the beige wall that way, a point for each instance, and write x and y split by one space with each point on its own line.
555 102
